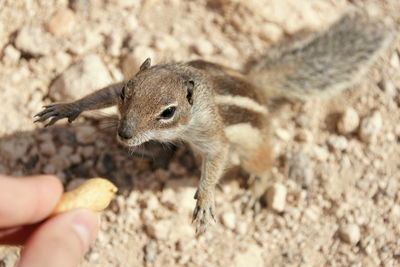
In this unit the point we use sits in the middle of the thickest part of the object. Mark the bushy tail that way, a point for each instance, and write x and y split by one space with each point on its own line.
329 61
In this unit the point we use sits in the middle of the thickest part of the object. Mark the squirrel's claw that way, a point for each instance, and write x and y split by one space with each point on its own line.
47 110
57 112
52 121
204 212
44 115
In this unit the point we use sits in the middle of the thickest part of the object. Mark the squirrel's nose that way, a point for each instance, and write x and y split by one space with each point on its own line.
125 132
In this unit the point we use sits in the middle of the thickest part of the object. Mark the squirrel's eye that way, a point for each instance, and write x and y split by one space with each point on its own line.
122 94
168 113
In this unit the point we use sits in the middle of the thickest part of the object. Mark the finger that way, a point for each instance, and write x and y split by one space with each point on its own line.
61 241
17 235
27 200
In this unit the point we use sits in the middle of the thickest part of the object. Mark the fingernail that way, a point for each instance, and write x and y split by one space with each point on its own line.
80 226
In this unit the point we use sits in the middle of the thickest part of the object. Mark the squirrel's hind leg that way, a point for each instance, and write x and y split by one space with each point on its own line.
258 164
256 158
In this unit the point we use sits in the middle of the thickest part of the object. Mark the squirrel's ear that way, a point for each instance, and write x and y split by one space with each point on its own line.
189 88
146 64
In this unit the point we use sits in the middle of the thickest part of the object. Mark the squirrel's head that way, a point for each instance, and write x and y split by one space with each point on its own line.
154 105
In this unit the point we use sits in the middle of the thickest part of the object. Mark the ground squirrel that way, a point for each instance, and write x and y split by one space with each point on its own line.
223 113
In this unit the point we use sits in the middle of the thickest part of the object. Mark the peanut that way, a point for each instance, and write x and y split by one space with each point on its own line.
94 194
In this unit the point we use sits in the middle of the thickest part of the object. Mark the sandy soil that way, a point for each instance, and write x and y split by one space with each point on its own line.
342 205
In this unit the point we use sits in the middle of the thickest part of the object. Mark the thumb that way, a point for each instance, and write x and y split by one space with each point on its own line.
61 240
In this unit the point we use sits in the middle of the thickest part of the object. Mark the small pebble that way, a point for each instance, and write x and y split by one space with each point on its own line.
168 198
47 148
270 32
86 134
320 153
184 244
80 5
252 256
348 122
65 150
303 121
49 169
61 22
33 40
350 233
388 87
299 170
282 134
177 169
80 79
159 230
124 3
131 23
61 176
114 43
75 159
304 136
9 260
203 47
59 162
15 149
150 251
395 60
241 228
167 42
92 256
276 197
11 54
152 202
185 198
87 151
338 142
229 220
184 259
370 127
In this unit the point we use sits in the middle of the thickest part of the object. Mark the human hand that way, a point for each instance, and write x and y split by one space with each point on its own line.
61 240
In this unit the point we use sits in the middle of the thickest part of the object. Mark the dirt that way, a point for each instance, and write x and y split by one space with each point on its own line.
336 197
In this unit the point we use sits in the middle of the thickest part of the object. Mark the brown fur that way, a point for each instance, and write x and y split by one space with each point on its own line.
232 114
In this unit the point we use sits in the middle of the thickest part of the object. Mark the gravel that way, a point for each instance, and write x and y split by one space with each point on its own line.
229 220
80 79
350 233
348 122
11 55
150 251
276 197
370 127
62 22
299 169
33 40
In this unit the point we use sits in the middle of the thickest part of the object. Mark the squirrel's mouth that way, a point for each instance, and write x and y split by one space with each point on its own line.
132 141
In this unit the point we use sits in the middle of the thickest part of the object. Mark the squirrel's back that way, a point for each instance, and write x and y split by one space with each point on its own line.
329 61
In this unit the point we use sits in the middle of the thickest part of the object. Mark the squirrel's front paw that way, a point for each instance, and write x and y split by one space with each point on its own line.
57 112
204 212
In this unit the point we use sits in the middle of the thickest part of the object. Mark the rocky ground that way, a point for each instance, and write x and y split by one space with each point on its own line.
335 198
